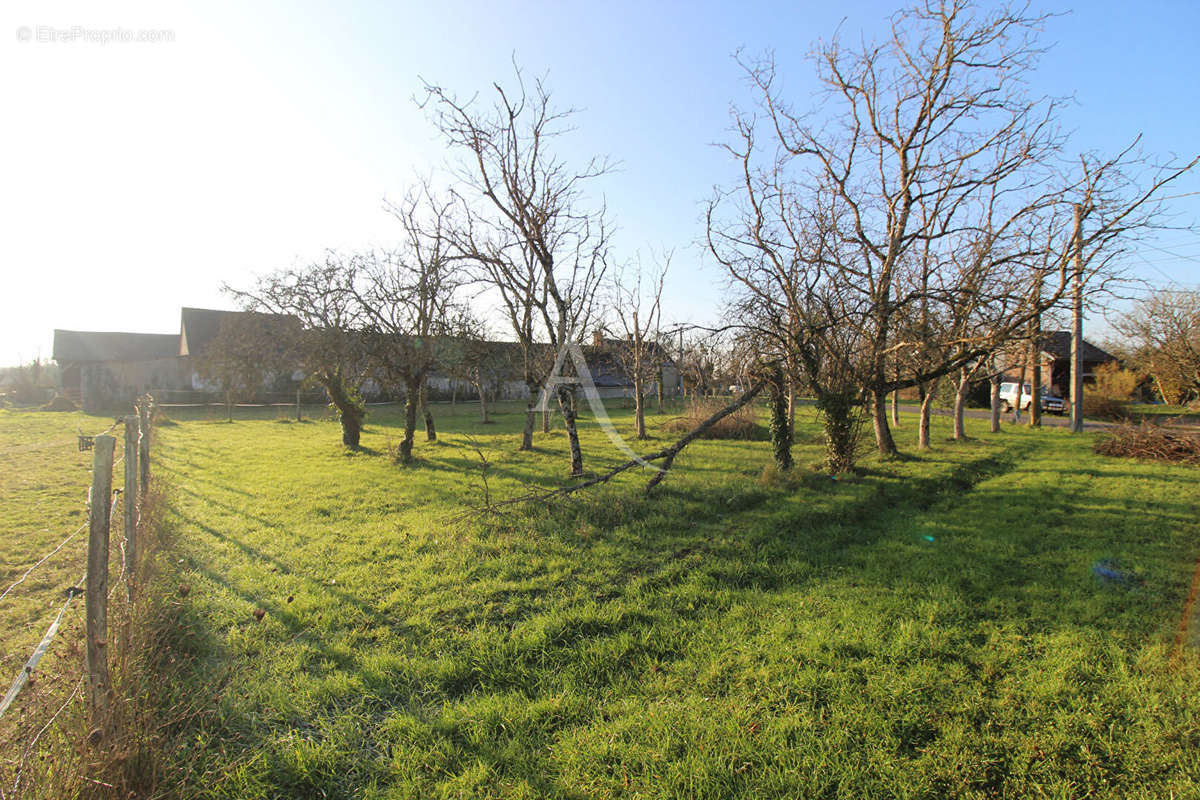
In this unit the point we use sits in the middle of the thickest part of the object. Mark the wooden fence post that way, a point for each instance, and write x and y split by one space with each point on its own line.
143 409
131 500
97 579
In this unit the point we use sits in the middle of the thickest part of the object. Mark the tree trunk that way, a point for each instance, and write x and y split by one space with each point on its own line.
791 406
430 430
530 415
781 432
1020 392
883 433
840 429
453 398
660 390
639 408
960 403
566 401
349 411
412 398
1077 327
483 406
926 393
896 407
995 404
546 419
228 406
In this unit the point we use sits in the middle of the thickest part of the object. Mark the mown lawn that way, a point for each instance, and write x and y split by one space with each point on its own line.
929 628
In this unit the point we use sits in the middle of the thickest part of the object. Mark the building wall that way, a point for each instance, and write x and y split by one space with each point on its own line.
105 385
1050 377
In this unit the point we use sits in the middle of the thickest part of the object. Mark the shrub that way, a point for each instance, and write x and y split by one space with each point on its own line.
1115 383
739 425
1150 442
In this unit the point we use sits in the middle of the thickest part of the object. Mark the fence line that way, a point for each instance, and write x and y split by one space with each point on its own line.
95 579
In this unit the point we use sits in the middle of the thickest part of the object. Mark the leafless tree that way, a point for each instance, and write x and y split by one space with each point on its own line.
1117 201
933 145
1162 331
538 245
471 356
932 129
328 343
248 350
409 297
636 300
699 364
774 251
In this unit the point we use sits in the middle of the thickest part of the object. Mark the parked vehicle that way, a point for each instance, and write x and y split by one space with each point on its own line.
1050 402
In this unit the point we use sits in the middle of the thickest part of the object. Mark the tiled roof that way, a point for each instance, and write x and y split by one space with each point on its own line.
77 346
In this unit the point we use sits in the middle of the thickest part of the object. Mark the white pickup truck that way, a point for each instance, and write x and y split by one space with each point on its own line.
1050 402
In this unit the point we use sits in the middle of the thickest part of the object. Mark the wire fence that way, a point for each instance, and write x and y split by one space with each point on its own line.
94 585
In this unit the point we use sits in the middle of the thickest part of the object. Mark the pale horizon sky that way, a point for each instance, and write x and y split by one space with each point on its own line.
139 176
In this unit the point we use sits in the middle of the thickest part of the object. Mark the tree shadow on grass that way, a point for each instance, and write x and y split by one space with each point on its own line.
687 554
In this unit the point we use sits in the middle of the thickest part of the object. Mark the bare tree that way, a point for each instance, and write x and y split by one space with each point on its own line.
928 124
934 145
409 299
328 342
534 240
1162 331
248 350
698 364
637 305
471 357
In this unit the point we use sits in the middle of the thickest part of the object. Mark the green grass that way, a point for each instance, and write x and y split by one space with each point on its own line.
44 480
928 628
1156 411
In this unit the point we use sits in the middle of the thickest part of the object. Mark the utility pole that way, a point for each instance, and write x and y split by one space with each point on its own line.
1035 359
1077 327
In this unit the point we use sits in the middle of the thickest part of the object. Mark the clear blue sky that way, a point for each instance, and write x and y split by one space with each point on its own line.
138 176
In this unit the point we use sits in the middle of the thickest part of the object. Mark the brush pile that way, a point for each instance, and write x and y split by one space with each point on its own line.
739 425
1148 442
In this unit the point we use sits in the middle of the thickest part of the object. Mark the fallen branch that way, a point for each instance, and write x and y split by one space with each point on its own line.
666 455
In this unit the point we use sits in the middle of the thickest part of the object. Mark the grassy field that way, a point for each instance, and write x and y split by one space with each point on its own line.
44 480
931 627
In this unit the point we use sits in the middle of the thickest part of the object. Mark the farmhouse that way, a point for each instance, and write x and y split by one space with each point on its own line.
103 369
100 370
1056 362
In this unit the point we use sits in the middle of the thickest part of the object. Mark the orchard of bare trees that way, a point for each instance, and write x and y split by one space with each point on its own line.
924 222
910 231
